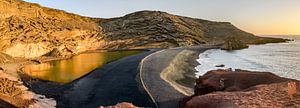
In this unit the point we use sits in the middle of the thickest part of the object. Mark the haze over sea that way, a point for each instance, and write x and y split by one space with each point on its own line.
282 59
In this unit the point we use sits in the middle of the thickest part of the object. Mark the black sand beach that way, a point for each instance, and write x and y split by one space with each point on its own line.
165 94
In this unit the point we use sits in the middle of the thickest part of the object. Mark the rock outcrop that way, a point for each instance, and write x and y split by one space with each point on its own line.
226 80
7 87
13 94
29 30
4 58
242 89
233 44
262 96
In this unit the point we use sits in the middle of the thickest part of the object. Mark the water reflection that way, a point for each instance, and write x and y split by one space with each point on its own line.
68 70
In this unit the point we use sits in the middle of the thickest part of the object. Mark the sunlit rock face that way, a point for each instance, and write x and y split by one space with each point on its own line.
29 30
4 58
27 50
65 71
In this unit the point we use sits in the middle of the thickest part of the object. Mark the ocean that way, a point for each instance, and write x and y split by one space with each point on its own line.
282 59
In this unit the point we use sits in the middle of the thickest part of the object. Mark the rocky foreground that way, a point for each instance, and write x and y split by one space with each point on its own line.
239 89
243 89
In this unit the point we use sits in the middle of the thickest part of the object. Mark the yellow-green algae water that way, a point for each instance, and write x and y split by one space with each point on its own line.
67 70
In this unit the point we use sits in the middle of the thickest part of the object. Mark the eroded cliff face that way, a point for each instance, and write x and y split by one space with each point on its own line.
29 30
150 29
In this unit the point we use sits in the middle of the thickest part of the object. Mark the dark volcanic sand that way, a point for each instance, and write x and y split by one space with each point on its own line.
163 93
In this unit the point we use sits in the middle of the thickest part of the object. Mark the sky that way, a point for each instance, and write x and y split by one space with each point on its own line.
260 17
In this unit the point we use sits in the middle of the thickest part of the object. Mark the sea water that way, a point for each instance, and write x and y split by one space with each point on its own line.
282 59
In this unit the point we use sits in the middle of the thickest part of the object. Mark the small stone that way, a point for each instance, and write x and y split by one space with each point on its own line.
220 65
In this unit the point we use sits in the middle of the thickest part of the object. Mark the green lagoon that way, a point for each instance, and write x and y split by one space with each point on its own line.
67 70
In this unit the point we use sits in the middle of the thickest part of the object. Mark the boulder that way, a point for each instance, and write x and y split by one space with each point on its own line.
241 88
4 58
226 80
233 44
35 61
220 65
261 96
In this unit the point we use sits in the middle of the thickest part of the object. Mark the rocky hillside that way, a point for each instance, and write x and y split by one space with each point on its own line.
29 30
159 29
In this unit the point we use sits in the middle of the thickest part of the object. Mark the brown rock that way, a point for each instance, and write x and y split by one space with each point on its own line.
7 87
4 58
226 80
233 44
30 30
261 96
243 89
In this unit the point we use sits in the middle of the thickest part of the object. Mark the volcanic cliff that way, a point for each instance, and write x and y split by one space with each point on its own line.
28 30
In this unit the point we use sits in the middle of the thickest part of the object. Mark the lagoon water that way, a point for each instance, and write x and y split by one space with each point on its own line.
65 71
282 59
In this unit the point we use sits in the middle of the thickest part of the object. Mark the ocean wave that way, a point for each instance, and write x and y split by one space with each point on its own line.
280 58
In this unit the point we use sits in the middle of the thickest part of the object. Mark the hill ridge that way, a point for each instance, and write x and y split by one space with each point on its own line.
41 31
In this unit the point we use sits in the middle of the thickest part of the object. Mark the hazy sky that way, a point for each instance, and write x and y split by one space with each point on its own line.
261 17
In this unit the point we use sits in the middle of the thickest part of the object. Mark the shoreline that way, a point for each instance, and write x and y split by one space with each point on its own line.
179 88
65 93
242 88
180 73
38 86
48 59
25 97
278 58
164 93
